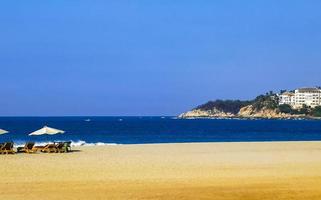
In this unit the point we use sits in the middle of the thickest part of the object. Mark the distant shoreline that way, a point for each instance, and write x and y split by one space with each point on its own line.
253 118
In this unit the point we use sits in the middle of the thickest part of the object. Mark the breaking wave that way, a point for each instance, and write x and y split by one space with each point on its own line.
73 143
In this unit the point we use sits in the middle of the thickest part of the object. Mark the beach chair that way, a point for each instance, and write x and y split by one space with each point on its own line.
49 148
7 148
63 147
60 147
28 148
68 146
1 145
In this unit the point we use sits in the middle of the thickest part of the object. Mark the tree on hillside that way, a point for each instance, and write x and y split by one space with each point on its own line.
269 101
316 112
286 108
304 110
231 106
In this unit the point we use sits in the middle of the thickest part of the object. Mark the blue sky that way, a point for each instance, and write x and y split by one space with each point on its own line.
145 57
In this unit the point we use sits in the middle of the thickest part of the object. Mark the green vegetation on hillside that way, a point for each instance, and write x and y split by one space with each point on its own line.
268 101
305 110
231 106
287 109
316 112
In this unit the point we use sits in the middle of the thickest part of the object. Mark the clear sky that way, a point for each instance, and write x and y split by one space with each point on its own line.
149 57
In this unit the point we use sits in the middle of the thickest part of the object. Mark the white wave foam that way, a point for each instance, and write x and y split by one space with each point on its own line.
84 143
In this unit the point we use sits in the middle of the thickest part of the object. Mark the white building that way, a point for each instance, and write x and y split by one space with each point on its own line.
287 98
303 96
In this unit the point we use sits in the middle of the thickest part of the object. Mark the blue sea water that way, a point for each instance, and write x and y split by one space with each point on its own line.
141 130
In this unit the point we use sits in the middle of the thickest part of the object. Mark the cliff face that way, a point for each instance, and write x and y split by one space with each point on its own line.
251 112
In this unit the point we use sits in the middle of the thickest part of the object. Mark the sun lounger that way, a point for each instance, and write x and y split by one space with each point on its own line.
63 147
49 148
60 147
68 146
7 148
28 148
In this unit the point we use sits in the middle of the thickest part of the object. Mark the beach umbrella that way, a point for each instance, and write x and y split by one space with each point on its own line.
3 131
47 131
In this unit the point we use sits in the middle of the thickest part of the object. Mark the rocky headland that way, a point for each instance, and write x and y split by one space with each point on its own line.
264 107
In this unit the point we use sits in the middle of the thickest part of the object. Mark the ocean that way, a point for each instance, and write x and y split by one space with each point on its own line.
144 130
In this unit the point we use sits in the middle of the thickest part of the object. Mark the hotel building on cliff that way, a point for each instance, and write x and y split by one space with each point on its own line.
302 96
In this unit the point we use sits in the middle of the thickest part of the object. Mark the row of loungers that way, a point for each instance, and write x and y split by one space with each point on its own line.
57 147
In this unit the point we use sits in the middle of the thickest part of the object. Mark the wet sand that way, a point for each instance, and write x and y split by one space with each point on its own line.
221 171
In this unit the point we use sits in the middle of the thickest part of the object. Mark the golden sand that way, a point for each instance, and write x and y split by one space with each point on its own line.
229 171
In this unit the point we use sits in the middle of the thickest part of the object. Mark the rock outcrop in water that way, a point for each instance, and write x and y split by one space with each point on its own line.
214 113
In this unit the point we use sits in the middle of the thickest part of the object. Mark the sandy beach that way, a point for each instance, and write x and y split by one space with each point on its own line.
276 170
